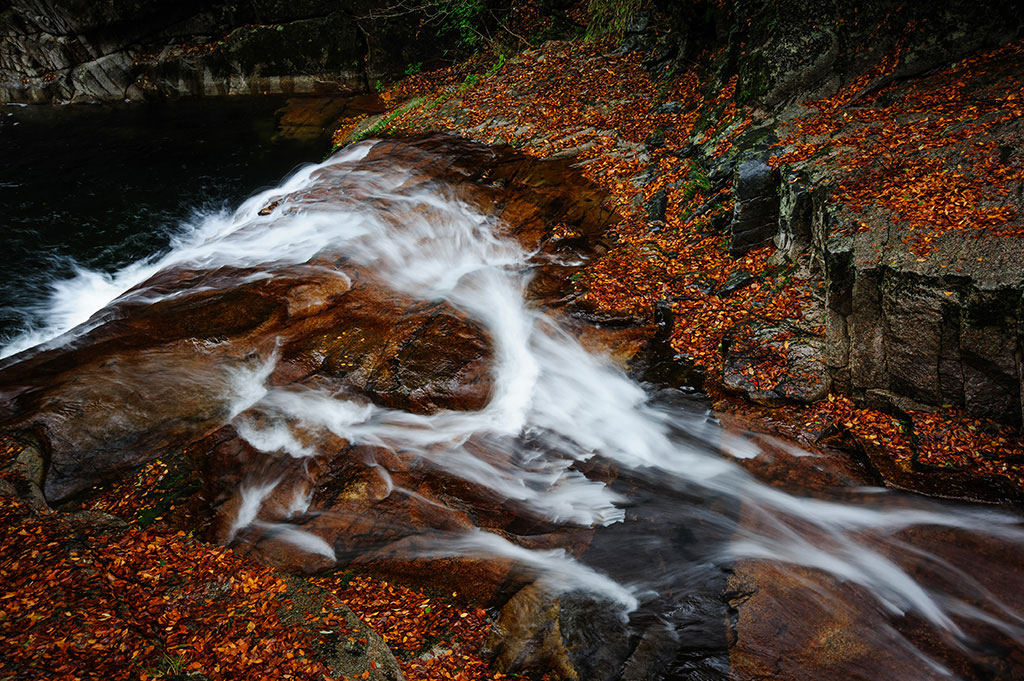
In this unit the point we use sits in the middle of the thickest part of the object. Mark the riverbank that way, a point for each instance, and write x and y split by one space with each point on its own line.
760 320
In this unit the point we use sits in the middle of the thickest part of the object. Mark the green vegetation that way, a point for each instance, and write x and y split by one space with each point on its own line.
387 120
754 79
465 19
476 25
611 16
171 666
468 22
697 181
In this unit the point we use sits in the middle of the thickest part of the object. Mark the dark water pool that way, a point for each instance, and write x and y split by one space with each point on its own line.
99 187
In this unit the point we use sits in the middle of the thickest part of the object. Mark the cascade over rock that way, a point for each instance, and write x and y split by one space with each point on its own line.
150 375
381 365
350 371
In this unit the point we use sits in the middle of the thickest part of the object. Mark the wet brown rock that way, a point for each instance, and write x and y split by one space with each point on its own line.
782 630
365 515
799 623
162 378
527 635
391 523
154 378
476 581
551 193
420 357
572 635
95 426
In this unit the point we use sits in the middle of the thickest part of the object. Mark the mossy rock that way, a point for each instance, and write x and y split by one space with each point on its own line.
349 653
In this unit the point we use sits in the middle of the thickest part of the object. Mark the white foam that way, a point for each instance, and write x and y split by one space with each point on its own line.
555 568
302 539
211 240
253 495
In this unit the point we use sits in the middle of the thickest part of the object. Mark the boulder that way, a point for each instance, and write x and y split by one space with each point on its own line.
737 280
792 53
795 214
771 362
792 622
934 320
756 210
941 330
571 636
157 379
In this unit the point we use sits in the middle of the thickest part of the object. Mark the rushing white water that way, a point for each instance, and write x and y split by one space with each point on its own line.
548 388
213 240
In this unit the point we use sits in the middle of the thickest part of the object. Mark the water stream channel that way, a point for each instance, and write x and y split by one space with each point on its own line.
525 448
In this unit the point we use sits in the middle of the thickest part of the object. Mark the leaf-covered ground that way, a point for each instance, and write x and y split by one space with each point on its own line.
928 155
931 157
113 590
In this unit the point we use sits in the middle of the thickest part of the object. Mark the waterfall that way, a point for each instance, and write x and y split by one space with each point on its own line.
555 408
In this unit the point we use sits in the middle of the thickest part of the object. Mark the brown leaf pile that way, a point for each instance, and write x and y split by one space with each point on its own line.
931 152
432 637
84 602
89 597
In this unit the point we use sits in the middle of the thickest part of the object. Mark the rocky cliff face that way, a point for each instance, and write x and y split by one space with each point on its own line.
861 126
65 51
940 328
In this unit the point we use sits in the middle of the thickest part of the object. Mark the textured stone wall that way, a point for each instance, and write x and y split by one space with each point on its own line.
895 329
64 51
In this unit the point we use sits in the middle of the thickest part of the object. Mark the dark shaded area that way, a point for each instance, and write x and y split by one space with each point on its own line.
101 187
794 50
63 51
